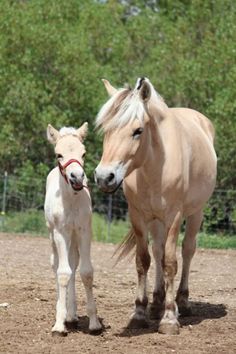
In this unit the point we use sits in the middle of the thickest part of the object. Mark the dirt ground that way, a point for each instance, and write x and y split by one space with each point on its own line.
27 284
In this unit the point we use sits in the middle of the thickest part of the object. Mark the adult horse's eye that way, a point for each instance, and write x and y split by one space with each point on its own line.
136 134
59 156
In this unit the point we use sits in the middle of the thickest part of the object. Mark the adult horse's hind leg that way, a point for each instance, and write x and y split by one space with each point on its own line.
193 224
71 318
169 323
138 318
157 231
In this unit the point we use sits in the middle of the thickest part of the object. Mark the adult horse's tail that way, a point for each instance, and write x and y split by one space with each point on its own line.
125 247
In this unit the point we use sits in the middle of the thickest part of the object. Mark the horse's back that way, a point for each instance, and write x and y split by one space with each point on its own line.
191 116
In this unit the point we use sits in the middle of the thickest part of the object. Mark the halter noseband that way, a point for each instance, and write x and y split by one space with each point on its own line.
63 167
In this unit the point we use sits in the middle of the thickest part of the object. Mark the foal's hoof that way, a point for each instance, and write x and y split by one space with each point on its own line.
169 328
137 322
59 334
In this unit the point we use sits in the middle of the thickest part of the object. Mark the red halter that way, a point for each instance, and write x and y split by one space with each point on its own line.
63 167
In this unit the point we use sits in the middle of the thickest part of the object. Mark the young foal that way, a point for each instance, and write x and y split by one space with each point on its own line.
166 160
68 215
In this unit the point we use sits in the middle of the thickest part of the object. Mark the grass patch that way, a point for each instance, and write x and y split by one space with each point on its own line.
217 241
33 222
20 222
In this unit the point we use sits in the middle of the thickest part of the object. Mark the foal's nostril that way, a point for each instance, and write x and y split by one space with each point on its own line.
110 177
73 175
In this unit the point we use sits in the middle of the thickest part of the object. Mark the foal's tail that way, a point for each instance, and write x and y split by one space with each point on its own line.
125 247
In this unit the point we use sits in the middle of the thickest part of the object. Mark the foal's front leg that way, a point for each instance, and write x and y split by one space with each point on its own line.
63 277
72 318
86 273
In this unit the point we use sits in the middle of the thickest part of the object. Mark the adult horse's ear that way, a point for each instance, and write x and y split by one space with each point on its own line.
82 131
145 90
110 89
52 134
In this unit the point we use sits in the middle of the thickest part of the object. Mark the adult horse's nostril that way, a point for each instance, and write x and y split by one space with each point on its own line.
110 177
73 175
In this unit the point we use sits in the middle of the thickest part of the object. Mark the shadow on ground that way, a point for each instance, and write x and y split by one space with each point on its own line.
200 311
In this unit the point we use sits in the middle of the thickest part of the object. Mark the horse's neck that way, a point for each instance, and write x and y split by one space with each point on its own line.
151 169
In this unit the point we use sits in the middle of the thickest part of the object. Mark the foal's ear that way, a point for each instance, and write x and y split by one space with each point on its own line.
145 90
82 131
110 89
52 134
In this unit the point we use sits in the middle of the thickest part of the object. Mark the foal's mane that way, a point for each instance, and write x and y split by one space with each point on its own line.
121 108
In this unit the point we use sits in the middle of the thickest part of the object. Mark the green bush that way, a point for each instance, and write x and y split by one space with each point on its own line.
54 53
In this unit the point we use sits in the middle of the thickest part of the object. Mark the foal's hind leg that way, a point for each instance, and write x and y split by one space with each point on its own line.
193 224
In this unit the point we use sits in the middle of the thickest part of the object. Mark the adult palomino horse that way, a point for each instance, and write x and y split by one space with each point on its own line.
166 160
68 215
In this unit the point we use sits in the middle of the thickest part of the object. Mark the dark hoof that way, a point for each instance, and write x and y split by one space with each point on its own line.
169 328
137 323
156 312
59 334
95 332
72 325
185 311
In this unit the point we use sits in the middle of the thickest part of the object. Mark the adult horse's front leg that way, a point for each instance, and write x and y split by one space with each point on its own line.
169 323
63 277
157 230
139 317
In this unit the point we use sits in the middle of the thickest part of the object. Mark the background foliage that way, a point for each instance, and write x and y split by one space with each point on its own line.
53 54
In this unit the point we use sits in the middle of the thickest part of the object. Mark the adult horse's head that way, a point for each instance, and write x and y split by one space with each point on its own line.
125 120
70 152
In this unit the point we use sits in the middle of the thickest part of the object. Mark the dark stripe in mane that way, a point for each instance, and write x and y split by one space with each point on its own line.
140 83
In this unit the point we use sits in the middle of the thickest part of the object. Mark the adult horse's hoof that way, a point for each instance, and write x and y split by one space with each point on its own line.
185 311
156 312
137 322
95 332
169 328
72 325
59 334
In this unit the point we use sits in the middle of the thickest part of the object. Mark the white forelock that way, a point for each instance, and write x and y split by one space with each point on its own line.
67 131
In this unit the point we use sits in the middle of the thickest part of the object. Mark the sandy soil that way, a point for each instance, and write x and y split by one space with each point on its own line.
27 284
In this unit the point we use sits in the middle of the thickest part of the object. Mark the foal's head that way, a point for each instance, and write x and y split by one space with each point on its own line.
125 119
70 152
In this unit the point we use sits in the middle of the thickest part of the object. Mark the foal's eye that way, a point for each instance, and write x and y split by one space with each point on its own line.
137 133
59 156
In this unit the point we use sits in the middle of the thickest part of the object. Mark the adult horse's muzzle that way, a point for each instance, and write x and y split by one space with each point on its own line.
107 179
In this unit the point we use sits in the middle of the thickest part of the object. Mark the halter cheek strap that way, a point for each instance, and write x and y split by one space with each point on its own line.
62 168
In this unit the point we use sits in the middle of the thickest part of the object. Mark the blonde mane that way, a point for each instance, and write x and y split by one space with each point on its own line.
123 107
